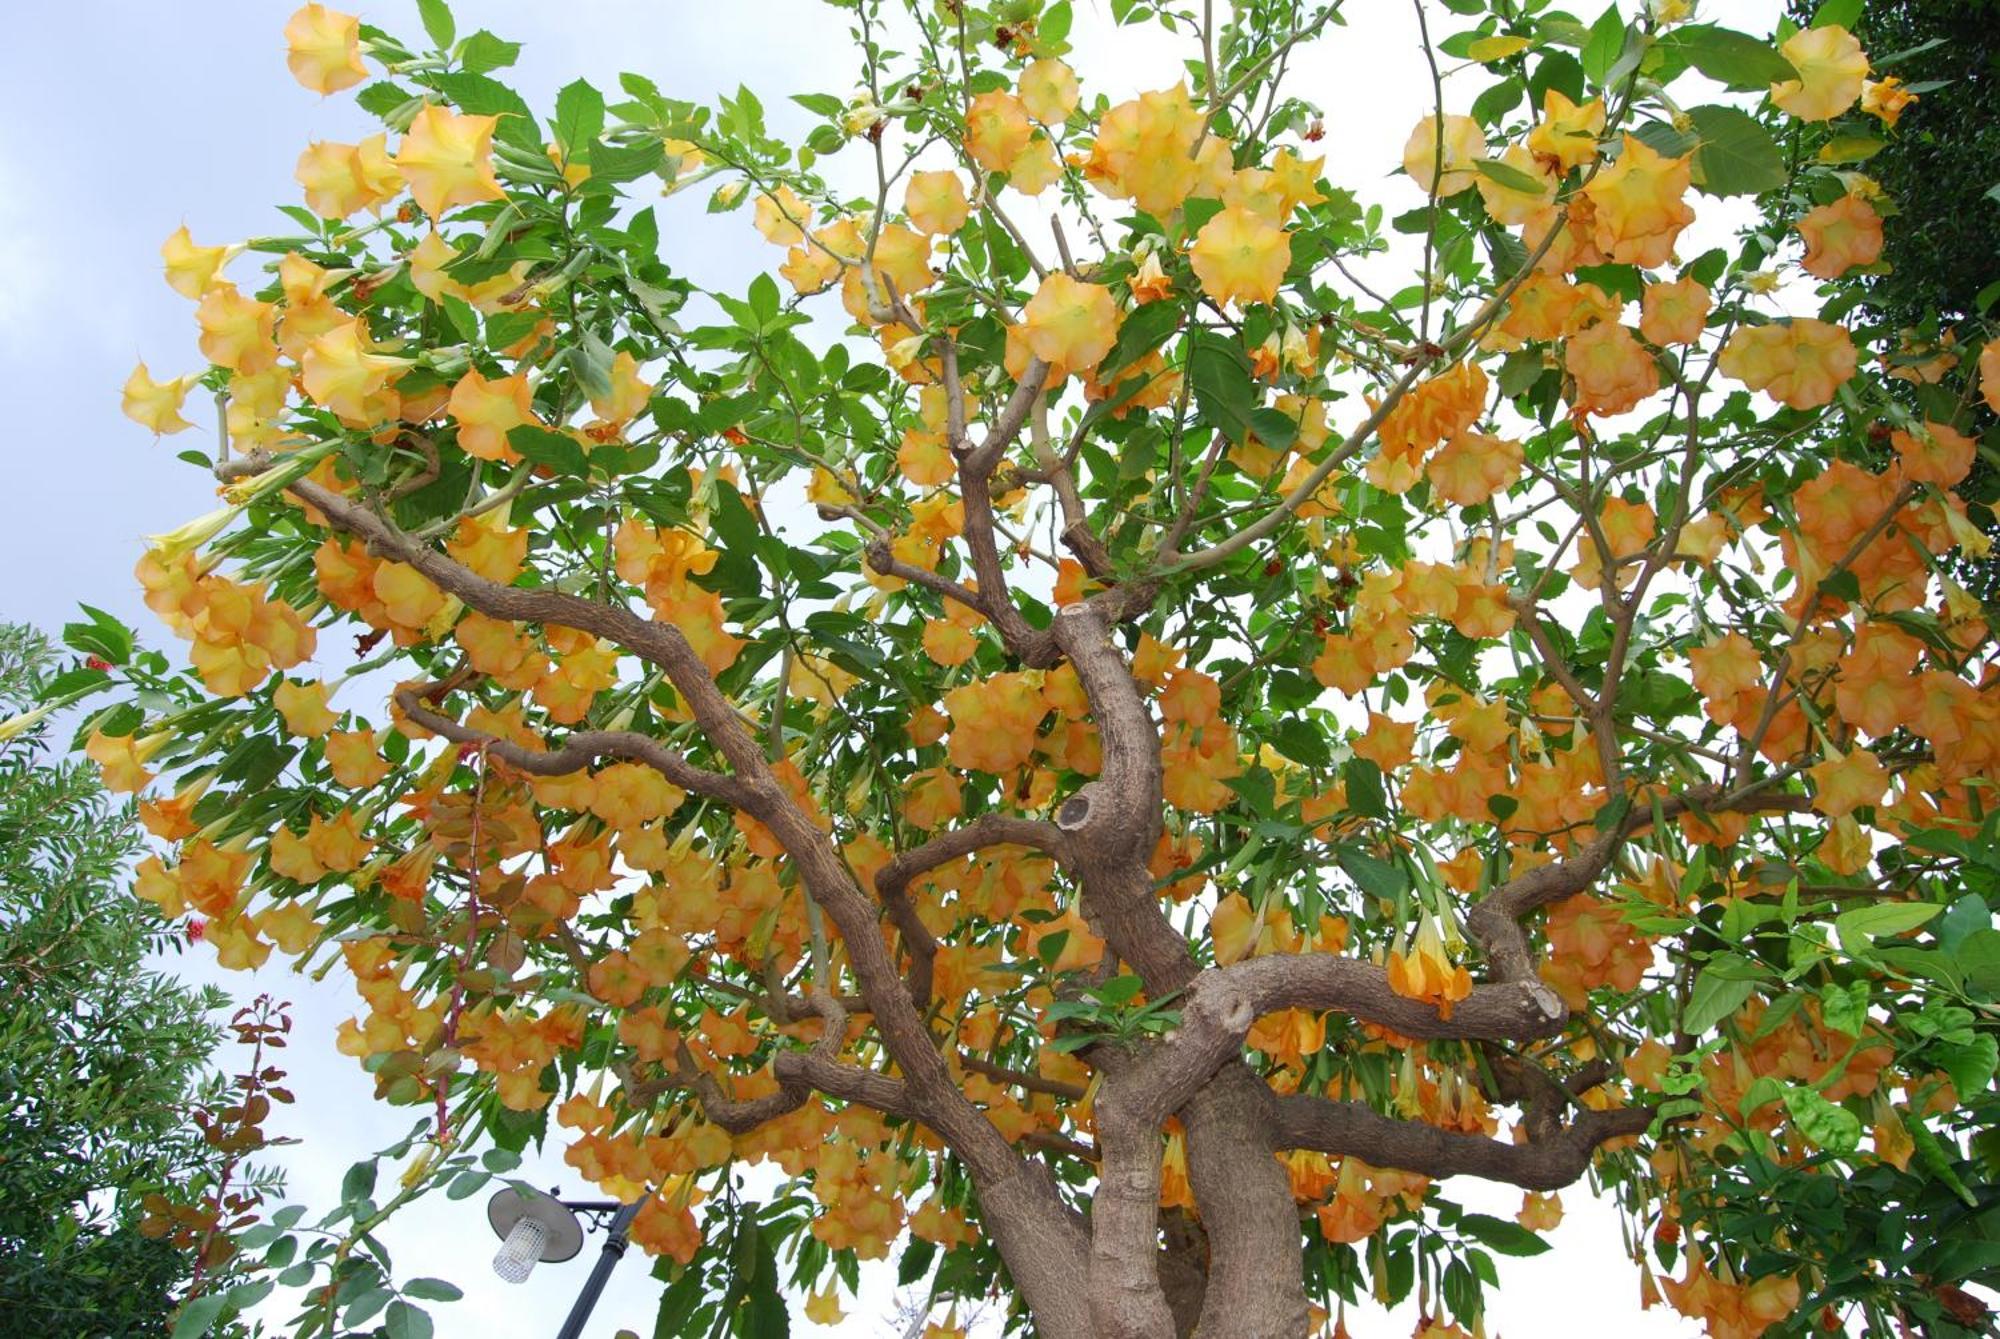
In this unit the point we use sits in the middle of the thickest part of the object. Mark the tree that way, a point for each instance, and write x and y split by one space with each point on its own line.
1931 157
1934 159
1135 758
100 1056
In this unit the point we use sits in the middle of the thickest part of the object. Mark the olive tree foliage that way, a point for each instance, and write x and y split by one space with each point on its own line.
1076 719
101 1056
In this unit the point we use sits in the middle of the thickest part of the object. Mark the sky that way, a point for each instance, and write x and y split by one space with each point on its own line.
128 119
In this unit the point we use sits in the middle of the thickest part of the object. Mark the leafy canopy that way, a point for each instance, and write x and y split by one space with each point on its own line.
100 1056
1076 719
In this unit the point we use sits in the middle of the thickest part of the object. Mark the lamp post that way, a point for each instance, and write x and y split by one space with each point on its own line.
534 1226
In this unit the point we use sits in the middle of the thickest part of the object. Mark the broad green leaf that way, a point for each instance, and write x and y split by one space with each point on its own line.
545 446
1851 149
1222 385
358 1184
1714 998
1373 875
579 115
483 52
1845 1009
1503 1236
1363 780
1301 741
403 1321
1146 329
1602 47
916 1261
1735 59
1979 958
1510 177
1857 927
1831 1127
198 1316
1737 156
1970 1063
433 1290
438 24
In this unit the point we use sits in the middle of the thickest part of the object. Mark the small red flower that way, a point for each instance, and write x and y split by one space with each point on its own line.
196 928
98 663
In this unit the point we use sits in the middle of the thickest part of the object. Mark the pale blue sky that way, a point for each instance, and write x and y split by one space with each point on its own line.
126 119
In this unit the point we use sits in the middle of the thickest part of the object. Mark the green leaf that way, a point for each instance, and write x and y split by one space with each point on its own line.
461 315
1274 428
358 1184
1851 148
624 162
1602 47
1735 59
1301 741
1766 1090
1503 1236
367 1304
1838 13
823 104
764 299
483 96
1737 156
579 115
1223 388
1714 998
916 1260
436 15
1832 1127
1511 178
1979 958
103 636
1053 29
483 51
1970 1064
1857 927
433 1290
1120 990
764 1314
381 98
1258 789
1375 876
1143 331
197 1316
677 1304
545 446
404 1321
1491 107
1364 788
1845 1010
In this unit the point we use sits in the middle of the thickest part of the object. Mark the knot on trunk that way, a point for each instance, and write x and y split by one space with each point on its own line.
1075 811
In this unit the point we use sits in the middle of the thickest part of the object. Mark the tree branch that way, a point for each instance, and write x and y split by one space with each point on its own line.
892 881
579 749
1355 1129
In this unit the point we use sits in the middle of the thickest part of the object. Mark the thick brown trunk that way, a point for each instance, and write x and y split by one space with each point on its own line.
1048 1260
1256 1278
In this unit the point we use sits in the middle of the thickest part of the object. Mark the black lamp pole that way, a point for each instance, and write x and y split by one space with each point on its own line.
600 1273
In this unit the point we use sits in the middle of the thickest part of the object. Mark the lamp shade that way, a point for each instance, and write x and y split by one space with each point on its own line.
532 1226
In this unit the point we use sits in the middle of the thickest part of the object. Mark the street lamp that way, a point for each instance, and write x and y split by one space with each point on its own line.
534 1226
